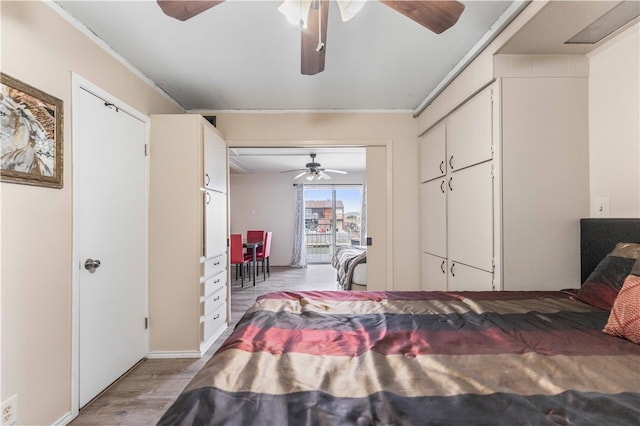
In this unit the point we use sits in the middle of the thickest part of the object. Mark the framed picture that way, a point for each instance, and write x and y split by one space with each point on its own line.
30 135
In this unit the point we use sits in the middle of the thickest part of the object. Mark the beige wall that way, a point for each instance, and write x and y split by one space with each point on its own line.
282 129
614 125
40 48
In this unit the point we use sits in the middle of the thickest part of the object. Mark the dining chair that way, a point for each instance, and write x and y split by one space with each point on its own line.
264 256
253 236
237 255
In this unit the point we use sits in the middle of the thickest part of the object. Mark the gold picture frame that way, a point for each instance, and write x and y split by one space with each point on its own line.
30 135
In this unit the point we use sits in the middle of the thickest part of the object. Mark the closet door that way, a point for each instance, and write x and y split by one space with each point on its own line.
434 273
469 136
215 241
470 215
433 154
215 154
466 278
433 204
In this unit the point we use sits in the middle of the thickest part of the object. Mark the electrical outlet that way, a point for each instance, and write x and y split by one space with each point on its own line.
10 411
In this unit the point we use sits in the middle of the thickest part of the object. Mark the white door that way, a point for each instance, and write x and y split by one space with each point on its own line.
470 217
110 169
215 164
469 132
434 273
433 207
433 154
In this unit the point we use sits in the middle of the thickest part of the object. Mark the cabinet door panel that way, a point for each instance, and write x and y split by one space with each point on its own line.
215 160
434 273
433 205
469 134
470 219
215 225
432 154
465 278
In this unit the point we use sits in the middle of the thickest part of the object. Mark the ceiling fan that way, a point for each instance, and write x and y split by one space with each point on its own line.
312 16
314 171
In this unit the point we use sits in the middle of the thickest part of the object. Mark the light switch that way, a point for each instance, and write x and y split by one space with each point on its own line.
602 207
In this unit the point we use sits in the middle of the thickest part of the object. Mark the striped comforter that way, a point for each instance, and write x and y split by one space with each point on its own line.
416 358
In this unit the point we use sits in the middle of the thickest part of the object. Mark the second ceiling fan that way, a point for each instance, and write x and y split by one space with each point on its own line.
314 171
312 15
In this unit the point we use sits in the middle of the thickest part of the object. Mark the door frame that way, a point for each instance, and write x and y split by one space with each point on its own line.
383 182
79 83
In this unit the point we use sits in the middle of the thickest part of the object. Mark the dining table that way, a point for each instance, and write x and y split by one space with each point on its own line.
253 246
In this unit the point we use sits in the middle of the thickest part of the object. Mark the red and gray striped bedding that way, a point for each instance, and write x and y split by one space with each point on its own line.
416 358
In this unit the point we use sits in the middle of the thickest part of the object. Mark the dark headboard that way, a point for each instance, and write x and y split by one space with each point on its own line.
599 236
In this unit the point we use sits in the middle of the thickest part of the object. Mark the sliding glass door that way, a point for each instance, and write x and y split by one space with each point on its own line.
333 217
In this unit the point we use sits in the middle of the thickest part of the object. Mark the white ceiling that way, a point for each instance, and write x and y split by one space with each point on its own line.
244 55
277 160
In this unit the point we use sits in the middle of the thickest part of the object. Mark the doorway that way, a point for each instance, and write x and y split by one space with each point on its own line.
333 217
110 240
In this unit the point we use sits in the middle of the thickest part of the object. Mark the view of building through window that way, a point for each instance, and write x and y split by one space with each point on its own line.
332 218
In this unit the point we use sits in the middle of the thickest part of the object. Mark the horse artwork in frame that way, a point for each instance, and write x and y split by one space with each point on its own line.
31 135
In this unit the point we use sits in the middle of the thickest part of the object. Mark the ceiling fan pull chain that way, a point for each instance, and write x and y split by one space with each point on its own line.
320 45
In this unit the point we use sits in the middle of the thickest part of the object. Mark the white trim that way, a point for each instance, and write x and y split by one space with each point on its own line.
299 111
79 83
64 420
174 354
104 46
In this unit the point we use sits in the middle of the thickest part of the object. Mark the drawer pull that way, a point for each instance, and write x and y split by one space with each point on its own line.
217 263
442 166
215 299
217 281
216 317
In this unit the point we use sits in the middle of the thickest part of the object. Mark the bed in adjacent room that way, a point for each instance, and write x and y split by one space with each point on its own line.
445 358
350 263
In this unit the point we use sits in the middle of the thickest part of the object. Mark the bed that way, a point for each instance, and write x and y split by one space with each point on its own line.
424 358
350 263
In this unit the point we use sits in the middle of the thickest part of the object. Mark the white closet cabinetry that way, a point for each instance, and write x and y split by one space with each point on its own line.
188 235
457 200
517 180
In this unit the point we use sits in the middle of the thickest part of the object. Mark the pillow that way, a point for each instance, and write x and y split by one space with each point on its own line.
624 320
601 288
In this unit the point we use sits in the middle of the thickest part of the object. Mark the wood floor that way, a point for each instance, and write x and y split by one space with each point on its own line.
142 395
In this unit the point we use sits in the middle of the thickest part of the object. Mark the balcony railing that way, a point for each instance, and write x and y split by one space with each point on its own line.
320 244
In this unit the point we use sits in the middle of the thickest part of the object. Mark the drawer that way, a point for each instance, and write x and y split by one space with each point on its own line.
212 302
214 265
214 283
214 322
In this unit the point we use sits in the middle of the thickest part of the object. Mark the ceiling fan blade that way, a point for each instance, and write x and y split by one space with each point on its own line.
186 9
437 16
342 172
300 175
293 170
323 175
312 61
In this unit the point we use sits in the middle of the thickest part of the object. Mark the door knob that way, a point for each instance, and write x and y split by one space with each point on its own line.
91 265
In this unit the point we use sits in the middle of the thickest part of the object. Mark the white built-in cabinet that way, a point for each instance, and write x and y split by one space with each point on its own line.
504 180
189 294
457 200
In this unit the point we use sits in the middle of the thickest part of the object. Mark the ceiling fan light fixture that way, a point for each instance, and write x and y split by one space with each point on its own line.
350 8
296 11
310 176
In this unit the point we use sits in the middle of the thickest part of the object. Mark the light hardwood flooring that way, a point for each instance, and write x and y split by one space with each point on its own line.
142 395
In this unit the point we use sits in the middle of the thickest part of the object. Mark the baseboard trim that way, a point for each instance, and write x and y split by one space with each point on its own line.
174 354
65 420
